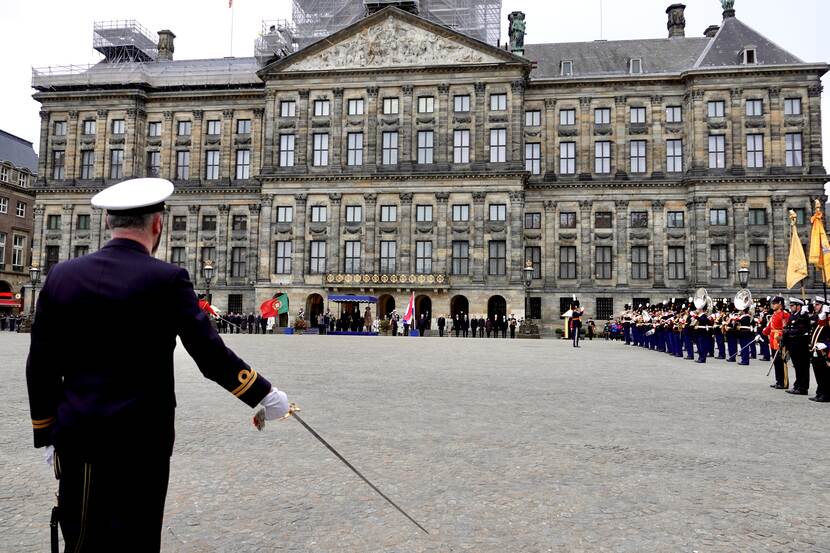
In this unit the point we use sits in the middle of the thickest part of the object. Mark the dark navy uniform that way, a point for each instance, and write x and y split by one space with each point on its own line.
796 340
101 388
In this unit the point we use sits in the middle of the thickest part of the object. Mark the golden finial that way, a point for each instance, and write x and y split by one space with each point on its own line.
793 218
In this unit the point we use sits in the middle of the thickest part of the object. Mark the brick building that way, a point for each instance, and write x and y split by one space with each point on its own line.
399 155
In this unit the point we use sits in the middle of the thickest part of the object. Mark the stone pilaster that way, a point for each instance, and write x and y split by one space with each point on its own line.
699 134
477 246
44 162
701 247
298 256
621 254
736 117
97 224
254 248
265 249
270 140
443 138
131 139
372 153
38 256
584 143
333 242
197 167
442 252
658 242
257 142
336 149
102 161
222 261
407 145
226 147
71 162
303 136
406 233
163 251
550 151
814 139
657 149
620 153
516 258
776 122
193 266
549 244
368 253
586 261
780 246
168 153
739 231
517 121
67 226
480 153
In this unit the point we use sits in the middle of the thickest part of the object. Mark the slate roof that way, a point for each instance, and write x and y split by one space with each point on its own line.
17 151
733 36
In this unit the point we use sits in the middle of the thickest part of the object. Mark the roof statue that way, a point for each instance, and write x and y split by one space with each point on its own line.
517 31
727 4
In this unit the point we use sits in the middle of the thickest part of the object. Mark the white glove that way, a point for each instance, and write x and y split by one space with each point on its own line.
805 309
49 454
276 405
825 309
820 346
822 316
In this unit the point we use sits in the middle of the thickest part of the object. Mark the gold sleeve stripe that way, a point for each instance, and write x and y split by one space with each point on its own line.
39 424
246 377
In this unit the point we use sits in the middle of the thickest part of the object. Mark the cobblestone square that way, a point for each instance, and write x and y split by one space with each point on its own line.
493 445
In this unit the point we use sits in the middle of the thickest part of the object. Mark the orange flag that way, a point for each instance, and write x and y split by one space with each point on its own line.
819 244
797 262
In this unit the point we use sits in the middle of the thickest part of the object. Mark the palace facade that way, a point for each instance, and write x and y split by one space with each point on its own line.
400 156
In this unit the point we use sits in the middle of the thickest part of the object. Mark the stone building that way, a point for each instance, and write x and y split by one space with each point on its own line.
400 156
18 164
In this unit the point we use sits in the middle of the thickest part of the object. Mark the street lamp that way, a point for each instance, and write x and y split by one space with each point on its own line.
743 274
207 274
34 275
528 328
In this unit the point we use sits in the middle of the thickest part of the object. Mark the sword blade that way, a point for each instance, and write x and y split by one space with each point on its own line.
353 469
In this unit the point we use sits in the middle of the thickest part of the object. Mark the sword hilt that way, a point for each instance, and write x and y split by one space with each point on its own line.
259 417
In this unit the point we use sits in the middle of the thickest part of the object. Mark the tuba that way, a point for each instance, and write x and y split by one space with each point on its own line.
702 300
743 300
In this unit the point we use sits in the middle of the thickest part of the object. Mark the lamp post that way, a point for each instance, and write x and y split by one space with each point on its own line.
529 329
743 274
34 276
207 274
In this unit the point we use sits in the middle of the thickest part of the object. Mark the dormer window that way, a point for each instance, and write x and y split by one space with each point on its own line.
635 66
566 68
750 56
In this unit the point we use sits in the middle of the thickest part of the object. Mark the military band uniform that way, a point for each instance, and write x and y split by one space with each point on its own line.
820 335
796 340
775 330
746 336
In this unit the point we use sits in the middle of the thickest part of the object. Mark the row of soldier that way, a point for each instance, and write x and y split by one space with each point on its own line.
766 330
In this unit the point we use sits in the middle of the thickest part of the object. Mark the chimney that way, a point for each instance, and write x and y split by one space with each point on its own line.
711 31
677 21
166 45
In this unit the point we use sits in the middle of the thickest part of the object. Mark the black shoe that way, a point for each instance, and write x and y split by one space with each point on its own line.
777 386
797 392
820 399
699 361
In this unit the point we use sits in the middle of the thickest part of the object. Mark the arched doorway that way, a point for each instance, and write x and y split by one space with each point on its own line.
313 308
459 305
5 286
496 307
423 306
386 304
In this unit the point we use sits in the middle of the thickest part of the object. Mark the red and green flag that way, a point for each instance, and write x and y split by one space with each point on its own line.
274 306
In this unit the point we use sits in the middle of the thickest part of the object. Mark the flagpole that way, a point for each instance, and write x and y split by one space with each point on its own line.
231 27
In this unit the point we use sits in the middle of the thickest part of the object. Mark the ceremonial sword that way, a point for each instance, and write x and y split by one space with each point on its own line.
259 423
734 355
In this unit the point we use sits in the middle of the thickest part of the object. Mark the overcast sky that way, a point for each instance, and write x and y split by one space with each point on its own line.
40 33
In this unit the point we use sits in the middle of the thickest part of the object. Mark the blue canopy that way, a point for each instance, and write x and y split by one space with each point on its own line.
350 298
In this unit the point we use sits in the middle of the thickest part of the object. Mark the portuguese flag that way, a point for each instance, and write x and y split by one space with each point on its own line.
274 306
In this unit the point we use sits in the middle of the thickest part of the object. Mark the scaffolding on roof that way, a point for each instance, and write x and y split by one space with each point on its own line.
479 19
317 19
276 40
124 41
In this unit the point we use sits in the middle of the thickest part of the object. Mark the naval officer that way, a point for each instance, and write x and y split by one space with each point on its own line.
106 401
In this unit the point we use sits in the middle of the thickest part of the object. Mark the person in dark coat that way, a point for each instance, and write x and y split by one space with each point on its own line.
797 340
481 324
503 326
512 322
488 326
103 405
474 326
422 325
442 322
465 326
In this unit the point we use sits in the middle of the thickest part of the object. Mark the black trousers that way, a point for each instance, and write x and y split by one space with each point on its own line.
801 363
113 505
779 368
822 374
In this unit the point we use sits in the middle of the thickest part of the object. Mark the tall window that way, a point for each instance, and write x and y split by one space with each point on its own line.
239 264
567 117
755 150
677 263
3 238
674 114
717 151
212 164
239 222
390 148
208 223
638 115
425 147
87 164
460 257
792 142
639 262
757 216
183 165
461 103
567 262
356 106
533 118
285 214
498 102
214 127
184 128
321 108
639 219
89 126
390 106
716 108
566 68
604 262
388 213
58 164
498 212
53 222
603 219
717 217
498 257
426 104
321 149
602 157
674 156
288 108
318 214
53 254
461 146
758 261
534 255
286 150
116 164
243 126
423 257
59 129
792 106
179 223
354 148
154 129
498 145
178 256
635 66
637 151
18 251
602 116
354 213
4 205
675 219
318 257
153 164
460 213
533 220
208 254
388 256
567 219
423 213
754 108
352 257
719 262
234 303
283 257
82 222
533 158
605 309
21 210
567 158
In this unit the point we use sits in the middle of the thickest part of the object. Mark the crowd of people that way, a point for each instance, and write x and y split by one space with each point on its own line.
478 326
766 332
10 322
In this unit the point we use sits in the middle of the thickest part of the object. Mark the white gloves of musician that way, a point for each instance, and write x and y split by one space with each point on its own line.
821 347
276 405
49 454
805 309
825 309
822 316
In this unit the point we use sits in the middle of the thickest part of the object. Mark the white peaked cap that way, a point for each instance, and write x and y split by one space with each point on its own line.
134 196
